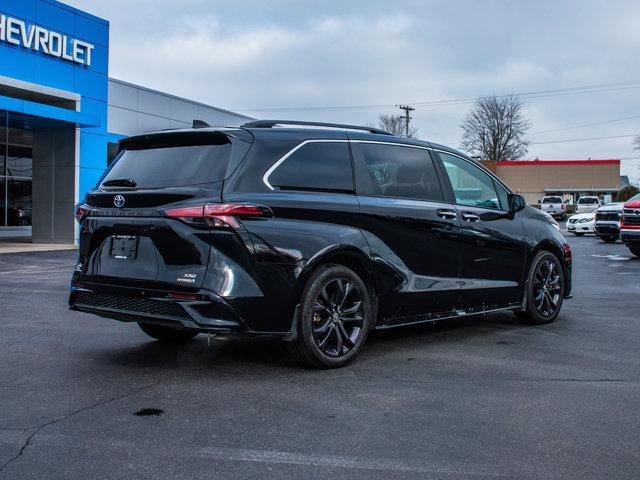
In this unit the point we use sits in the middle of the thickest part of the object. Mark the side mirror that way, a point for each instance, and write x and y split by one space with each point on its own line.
516 202
539 201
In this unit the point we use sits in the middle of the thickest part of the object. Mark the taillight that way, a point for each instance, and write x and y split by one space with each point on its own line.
567 253
219 215
81 211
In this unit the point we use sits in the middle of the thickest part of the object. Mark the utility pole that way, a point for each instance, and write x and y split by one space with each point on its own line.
407 118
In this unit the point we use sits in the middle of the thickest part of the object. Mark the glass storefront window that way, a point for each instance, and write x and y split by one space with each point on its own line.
19 161
19 203
2 202
3 141
16 169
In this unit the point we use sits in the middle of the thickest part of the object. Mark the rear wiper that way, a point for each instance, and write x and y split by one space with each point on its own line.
119 182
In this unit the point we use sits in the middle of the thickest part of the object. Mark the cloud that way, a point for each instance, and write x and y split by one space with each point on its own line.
254 54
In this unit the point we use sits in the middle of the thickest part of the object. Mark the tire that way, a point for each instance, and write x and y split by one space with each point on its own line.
166 334
578 234
609 239
635 251
546 284
333 319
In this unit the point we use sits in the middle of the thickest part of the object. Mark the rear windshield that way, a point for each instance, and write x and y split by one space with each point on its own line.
175 160
588 200
551 200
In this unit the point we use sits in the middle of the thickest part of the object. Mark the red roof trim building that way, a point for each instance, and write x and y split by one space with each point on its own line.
559 162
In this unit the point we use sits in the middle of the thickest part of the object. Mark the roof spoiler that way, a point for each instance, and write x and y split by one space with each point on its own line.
273 123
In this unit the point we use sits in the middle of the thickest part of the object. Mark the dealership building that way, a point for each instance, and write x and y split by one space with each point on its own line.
61 116
569 179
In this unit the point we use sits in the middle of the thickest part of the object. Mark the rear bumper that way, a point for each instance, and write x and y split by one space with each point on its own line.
206 312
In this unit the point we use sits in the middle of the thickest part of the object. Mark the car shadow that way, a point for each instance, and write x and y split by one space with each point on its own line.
250 353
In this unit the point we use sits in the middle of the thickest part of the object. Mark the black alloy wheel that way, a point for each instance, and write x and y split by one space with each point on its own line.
544 291
334 317
547 287
338 316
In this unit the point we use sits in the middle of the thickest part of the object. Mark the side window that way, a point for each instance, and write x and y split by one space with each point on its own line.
471 186
401 172
315 166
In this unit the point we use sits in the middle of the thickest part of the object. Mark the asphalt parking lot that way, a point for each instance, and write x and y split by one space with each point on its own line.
481 398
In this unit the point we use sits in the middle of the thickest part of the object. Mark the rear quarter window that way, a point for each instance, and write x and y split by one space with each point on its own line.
321 166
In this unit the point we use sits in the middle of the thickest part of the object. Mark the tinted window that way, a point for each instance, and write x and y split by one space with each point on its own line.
315 166
471 185
401 172
588 200
161 161
551 200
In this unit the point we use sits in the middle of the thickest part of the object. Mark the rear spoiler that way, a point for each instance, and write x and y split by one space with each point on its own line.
201 136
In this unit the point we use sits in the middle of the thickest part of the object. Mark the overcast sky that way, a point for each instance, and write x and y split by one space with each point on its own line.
253 55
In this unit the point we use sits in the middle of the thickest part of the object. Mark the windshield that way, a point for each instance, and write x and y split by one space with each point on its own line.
589 200
171 160
551 200
634 198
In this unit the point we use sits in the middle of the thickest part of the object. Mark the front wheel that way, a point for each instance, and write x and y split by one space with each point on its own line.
609 239
578 234
635 251
166 334
333 319
544 291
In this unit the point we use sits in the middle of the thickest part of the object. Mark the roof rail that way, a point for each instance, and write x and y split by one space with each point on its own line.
273 123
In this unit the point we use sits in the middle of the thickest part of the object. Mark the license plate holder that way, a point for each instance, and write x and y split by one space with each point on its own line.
124 247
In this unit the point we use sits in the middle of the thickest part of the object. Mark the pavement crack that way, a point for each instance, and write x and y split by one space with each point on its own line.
7 345
39 428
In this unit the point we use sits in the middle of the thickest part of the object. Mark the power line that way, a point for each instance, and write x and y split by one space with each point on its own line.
586 139
603 122
597 88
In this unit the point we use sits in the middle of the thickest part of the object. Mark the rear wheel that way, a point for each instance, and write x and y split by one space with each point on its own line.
578 234
544 291
166 334
333 320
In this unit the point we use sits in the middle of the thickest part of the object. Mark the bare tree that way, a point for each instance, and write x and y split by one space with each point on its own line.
636 143
395 124
495 129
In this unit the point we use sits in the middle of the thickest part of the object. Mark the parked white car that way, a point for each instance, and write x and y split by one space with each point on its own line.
554 206
582 223
587 204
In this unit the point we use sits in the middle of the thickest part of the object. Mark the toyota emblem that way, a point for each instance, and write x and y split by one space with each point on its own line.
118 201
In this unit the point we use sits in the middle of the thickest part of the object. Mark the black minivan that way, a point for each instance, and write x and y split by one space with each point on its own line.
317 233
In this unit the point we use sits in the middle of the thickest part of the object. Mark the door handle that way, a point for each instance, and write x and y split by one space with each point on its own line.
447 214
470 217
